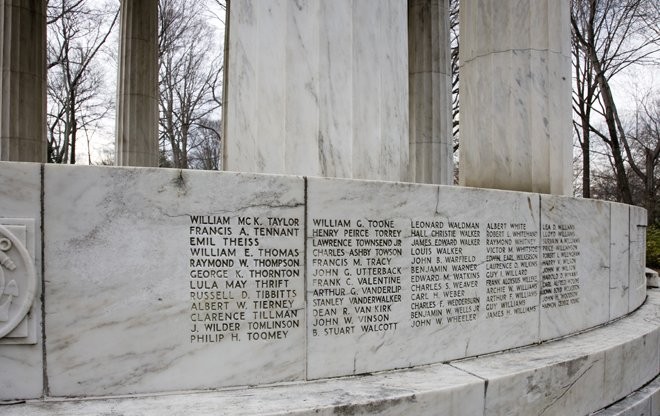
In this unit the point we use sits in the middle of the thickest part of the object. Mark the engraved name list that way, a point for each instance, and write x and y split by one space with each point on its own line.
245 276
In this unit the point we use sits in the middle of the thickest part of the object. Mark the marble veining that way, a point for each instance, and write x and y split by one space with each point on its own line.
381 266
638 224
583 373
583 227
21 375
570 376
515 96
619 259
431 147
318 90
354 349
121 323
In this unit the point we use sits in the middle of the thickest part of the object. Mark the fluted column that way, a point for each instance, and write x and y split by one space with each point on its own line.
516 95
137 85
23 80
431 151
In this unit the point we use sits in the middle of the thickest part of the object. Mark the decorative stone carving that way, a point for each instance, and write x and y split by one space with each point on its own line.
18 281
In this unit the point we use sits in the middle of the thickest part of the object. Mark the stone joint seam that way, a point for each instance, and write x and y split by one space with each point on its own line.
476 57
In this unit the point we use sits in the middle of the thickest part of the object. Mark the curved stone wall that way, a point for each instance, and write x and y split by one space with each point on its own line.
575 375
432 273
159 280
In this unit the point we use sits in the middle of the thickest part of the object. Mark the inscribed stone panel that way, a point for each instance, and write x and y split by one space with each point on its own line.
166 279
575 264
401 275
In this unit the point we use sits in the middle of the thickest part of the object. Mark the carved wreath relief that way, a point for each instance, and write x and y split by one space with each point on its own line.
18 282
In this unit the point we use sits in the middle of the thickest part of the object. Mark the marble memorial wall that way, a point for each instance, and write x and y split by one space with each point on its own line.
160 280
638 224
392 264
21 356
620 252
575 262
178 280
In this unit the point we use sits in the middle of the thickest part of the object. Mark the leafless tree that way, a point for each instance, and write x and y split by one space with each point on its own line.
608 36
206 149
584 98
77 33
220 12
643 151
190 77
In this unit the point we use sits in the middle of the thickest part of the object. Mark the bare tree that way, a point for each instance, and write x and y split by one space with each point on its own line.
609 36
190 73
206 148
585 96
643 151
221 12
76 35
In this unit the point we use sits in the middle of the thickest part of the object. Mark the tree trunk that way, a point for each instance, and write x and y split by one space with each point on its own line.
610 118
586 160
74 127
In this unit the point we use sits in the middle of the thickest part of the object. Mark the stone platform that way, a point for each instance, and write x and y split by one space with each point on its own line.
577 375
144 283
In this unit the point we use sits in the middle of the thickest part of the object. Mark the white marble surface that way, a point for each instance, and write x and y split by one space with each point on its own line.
120 280
638 220
643 402
573 382
630 365
576 375
577 276
619 259
428 391
318 90
515 96
20 281
21 375
431 147
119 246
354 333
569 376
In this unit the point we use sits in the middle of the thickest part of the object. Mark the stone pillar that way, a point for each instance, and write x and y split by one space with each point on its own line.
317 87
516 95
429 66
23 80
137 85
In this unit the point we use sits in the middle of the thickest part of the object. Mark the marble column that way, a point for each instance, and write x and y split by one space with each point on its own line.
516 95
137 85
317 87
23 80
429 66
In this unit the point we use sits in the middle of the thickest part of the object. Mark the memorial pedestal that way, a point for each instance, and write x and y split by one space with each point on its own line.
152 284
576 375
